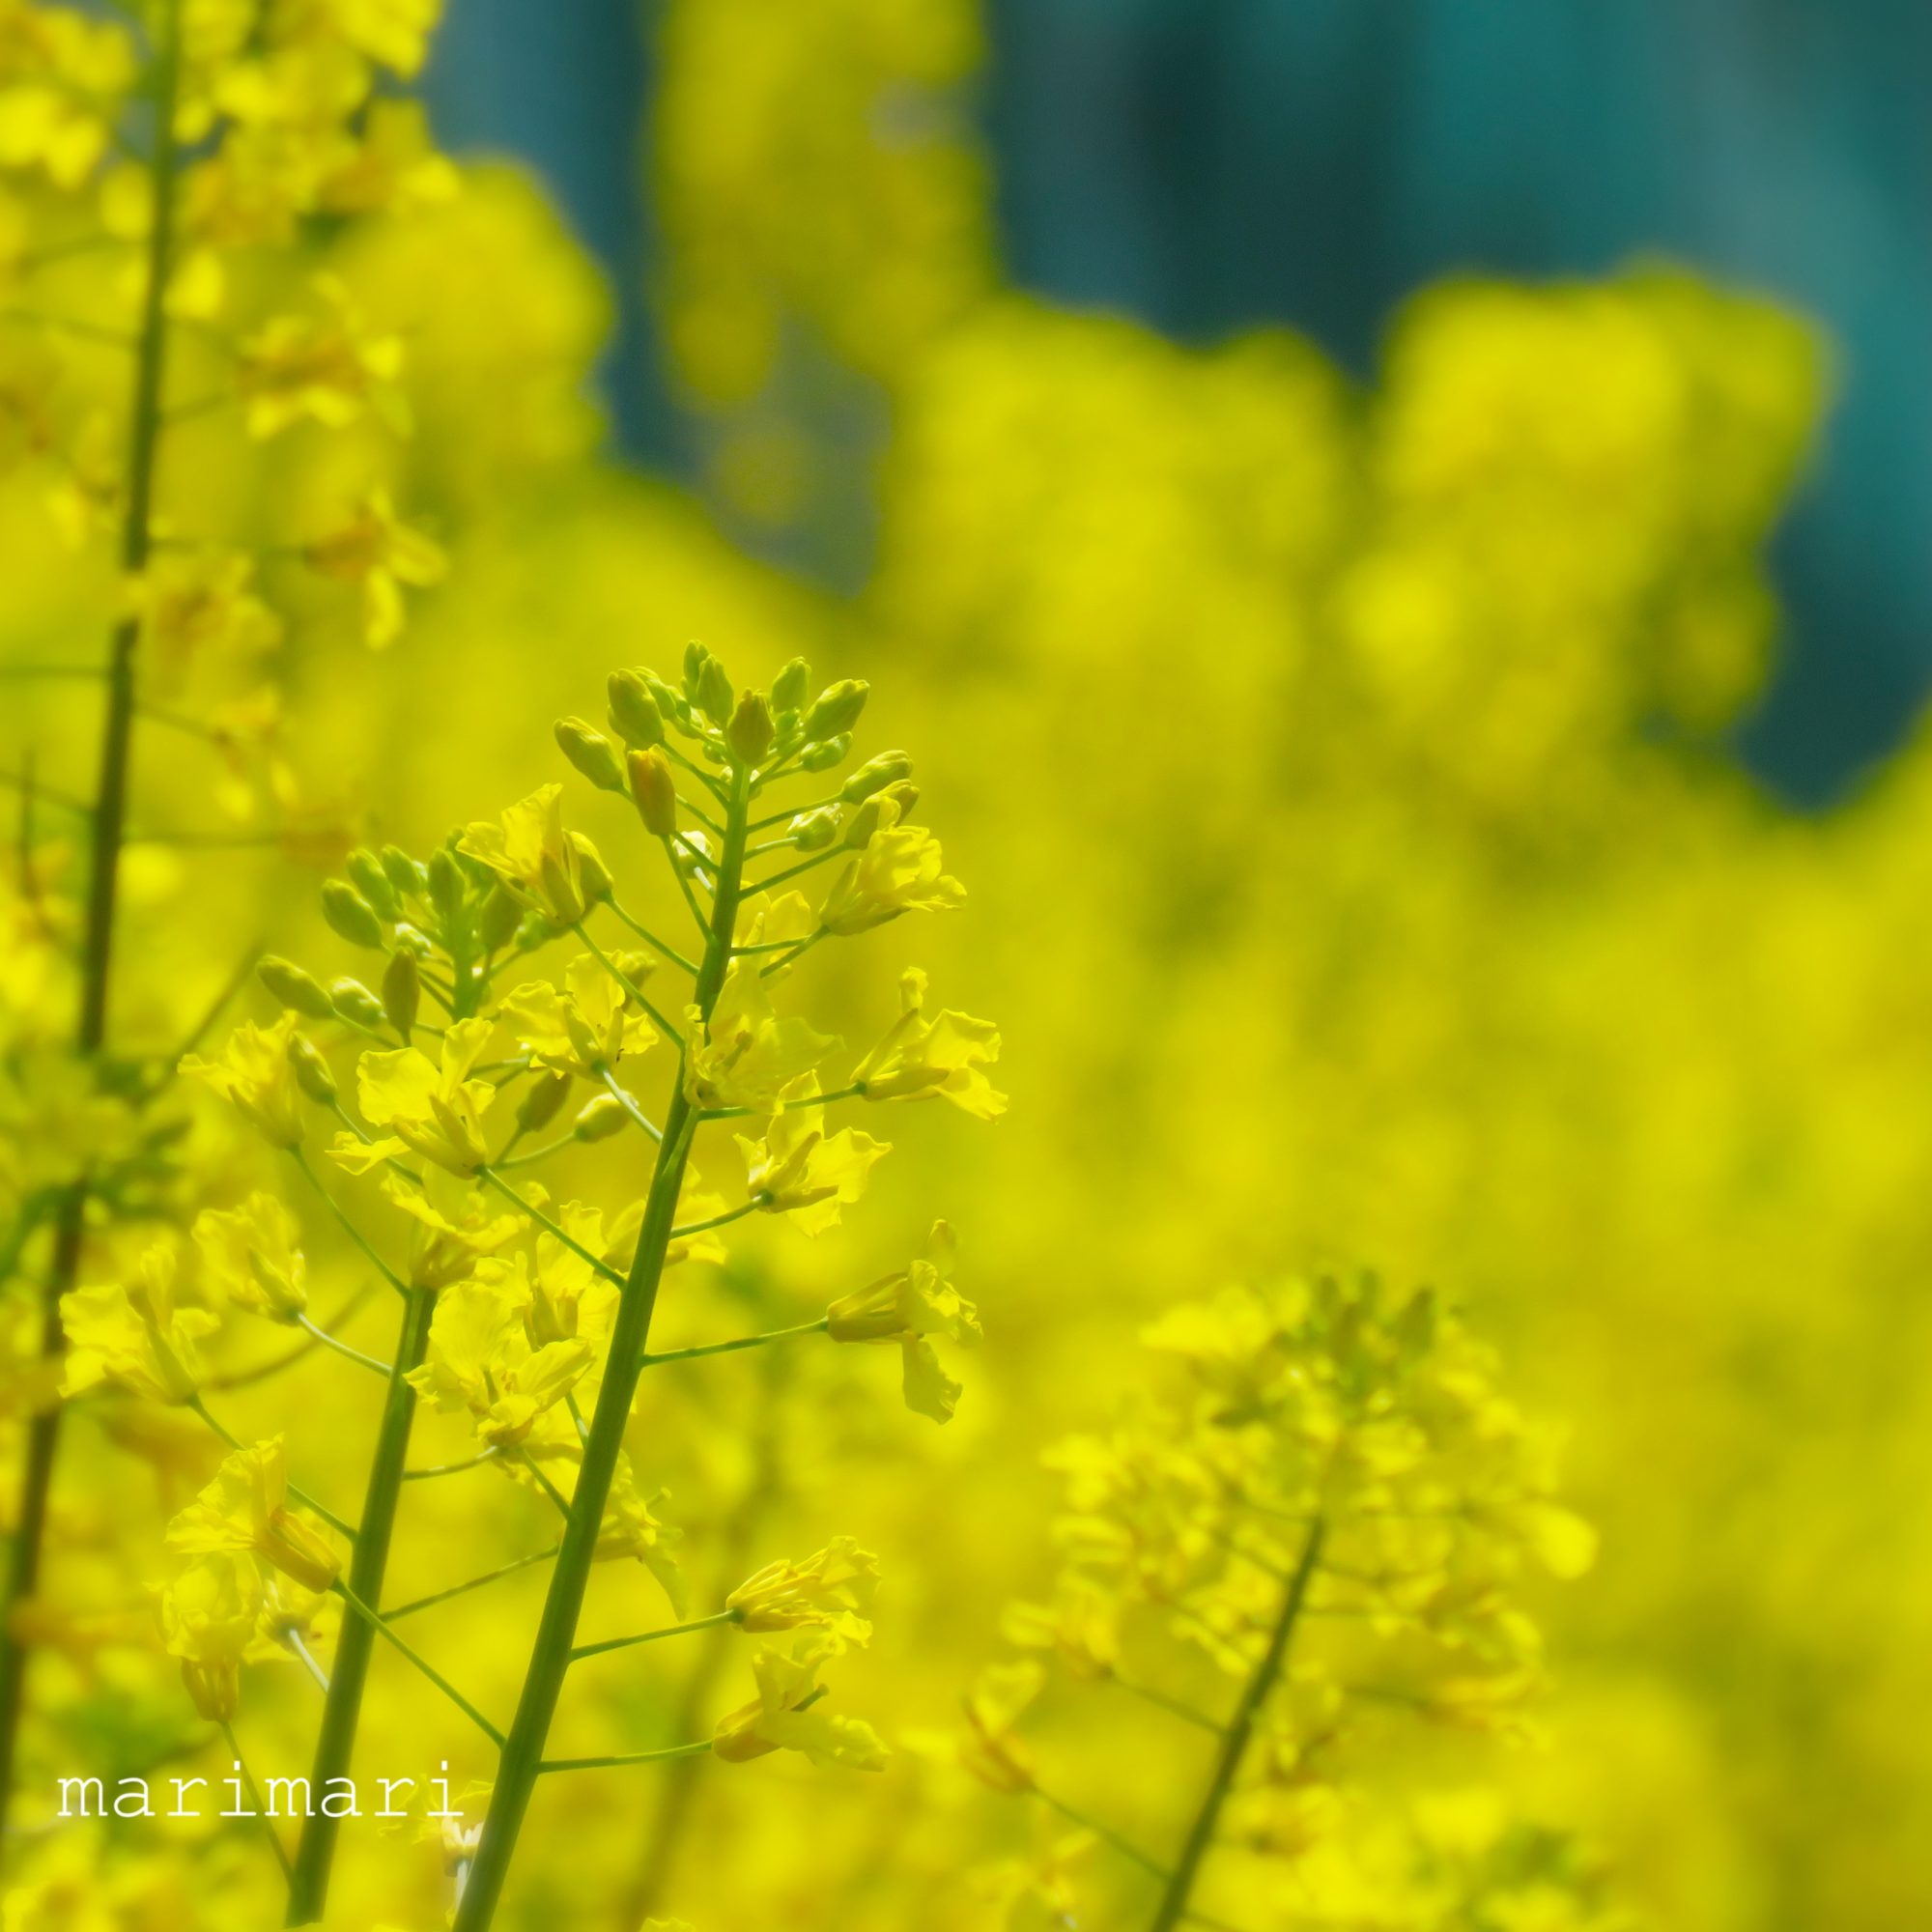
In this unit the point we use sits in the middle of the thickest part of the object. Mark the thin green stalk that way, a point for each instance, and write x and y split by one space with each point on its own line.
627 1100
380 1625
335 1743
254 1794
349 1226
1106 1833
510 1568
521 1760
343 1348
302 1496
584 1650
629 985
697 1750
549 1227
818 1327
476 1462
1174 1902
108 825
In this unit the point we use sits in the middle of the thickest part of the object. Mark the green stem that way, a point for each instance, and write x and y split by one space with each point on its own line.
584 1650
108 824
1106 1833
521 1759
343 1348
254 1794
817 1327
1173 1908
629 985
308 1884
380 1625
510 1568
628 1101
550 1765
349 1226
549 1227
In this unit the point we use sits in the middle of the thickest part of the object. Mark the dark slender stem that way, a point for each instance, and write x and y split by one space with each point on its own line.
107 826
584 1650
510 1568
1173 1908
308 1882
521 1761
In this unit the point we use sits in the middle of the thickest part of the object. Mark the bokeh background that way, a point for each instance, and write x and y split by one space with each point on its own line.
1395 535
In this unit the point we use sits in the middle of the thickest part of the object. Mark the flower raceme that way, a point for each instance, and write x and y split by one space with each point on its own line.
565 1095
1323 1520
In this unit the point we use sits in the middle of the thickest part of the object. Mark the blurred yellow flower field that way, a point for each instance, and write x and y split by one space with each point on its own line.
1272 1280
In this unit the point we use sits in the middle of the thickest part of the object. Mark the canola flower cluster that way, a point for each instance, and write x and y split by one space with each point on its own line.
1429 924
1320 1535
163 174
527 1313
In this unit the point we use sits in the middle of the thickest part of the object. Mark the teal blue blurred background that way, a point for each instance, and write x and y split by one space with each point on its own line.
1208 165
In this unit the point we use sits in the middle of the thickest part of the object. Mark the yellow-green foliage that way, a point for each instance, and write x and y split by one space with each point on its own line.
1357 874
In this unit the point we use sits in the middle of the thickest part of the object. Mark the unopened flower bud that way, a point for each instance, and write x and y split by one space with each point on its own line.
821 757
836 710
861 825
749 732
594 875
350 915
788 687
600 1118
366 872
875 775
635 716
446 882
655 792
408 879
592 752
813 831
543 1101
502 915
402 992
287 983
311 1070
714 696
356 1003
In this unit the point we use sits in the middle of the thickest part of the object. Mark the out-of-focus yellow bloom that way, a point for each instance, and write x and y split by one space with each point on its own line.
376 549
208 1611
941 1058
130 1335
796 1169
60 73
747 1056
529 850
897 871
430 1106
246 1509
830 1591
992 1749
199 605
256 1075
327 368
253 1254
785 1716
910 1308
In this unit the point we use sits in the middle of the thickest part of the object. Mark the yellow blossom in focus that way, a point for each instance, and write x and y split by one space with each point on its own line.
592 1024
797 1169
256 1075
785 1716
897 871
828 1591
431 1106
531 852
747 1056
481 1359
922 1058
452 1224
910 1308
